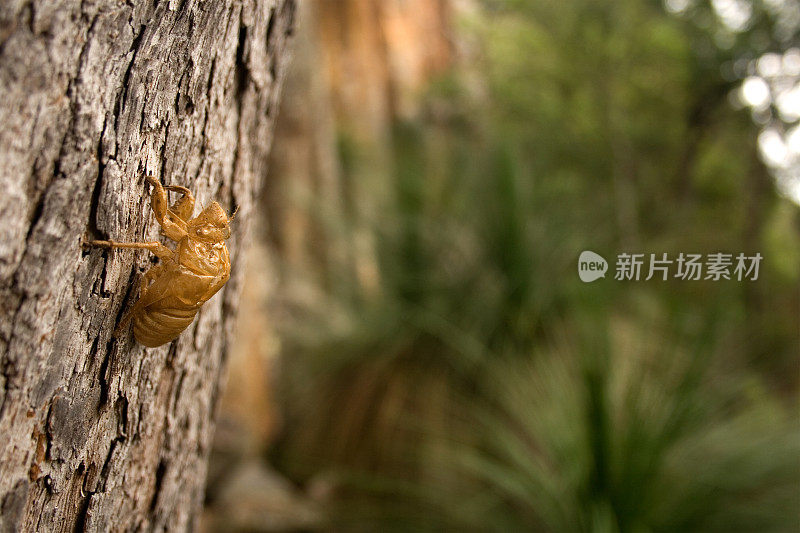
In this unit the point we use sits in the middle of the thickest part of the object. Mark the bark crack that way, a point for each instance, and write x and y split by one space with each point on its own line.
135 46
83 514
92 227
106 469
160 472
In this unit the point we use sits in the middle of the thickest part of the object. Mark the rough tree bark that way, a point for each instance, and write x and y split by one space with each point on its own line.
96 433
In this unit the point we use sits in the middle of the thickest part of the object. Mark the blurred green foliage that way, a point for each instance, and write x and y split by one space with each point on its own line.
484 387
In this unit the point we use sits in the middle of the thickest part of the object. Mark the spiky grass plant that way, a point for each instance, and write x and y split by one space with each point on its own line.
606 438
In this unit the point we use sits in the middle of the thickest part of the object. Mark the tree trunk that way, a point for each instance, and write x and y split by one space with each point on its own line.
98 433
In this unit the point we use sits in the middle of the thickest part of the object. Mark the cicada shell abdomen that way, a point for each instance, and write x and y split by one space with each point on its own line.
155 326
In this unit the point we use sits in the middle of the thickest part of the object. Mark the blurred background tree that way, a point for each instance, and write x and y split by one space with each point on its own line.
434 362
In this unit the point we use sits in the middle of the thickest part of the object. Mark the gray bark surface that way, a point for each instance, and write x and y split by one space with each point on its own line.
96 433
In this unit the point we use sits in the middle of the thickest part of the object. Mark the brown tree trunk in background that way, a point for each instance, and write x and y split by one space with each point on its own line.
97 433
361 66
